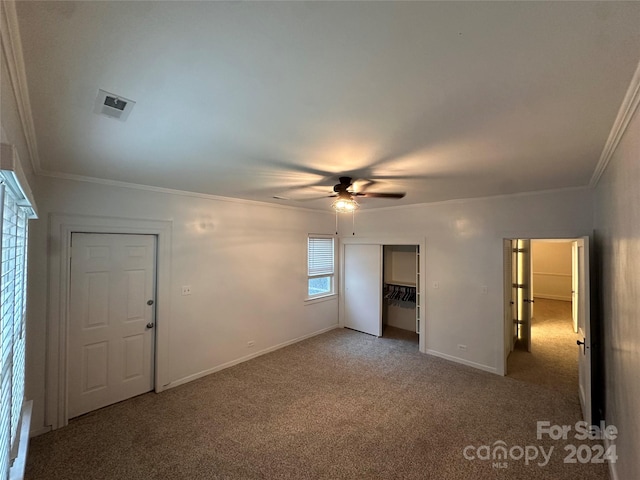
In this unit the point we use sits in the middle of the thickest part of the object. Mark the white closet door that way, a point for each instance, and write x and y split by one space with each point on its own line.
363 288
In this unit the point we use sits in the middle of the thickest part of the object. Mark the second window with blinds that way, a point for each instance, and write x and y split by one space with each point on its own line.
320 266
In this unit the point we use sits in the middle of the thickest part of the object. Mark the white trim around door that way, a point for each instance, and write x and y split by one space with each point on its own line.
61 227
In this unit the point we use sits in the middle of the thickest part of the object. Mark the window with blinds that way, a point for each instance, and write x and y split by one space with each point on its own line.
13 266
320 266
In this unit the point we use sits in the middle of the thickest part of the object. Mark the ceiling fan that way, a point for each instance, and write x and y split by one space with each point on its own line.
346 197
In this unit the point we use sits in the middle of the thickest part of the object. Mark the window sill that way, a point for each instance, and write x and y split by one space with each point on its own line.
324 298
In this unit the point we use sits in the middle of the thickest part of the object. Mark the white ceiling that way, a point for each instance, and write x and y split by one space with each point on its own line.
255 99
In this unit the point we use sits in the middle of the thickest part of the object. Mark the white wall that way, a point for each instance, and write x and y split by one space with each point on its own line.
464 252
617 221
246 264
551 269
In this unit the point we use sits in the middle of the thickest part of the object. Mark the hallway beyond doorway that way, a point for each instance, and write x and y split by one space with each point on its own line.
553 360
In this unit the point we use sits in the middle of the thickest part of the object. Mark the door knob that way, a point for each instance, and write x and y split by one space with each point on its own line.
584 347
149 302
150 325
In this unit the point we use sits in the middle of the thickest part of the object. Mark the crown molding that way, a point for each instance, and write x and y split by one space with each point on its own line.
625 113
12 48
457 201
171 191
208 196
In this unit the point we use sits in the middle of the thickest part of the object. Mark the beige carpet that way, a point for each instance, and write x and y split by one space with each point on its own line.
553 360
342 405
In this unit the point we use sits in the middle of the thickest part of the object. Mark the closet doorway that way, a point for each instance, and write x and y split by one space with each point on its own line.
401 296
382 289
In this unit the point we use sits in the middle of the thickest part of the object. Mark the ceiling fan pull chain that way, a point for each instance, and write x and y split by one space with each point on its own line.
353 220
336 222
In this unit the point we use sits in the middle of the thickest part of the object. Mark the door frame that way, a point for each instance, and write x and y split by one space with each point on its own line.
585 378
574 285
61 227
381 241
531 236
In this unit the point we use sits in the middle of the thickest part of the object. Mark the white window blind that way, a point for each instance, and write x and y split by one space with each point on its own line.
6 353
320 262
13 264
320 256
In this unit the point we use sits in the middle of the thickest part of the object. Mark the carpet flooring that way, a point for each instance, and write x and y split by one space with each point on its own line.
553 360
341 405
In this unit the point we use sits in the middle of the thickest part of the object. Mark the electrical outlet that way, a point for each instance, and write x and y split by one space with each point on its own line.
250 343
462 347
186 290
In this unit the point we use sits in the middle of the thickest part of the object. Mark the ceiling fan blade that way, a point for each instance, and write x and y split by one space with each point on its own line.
362 184
380 195
314 198
304 193
304 199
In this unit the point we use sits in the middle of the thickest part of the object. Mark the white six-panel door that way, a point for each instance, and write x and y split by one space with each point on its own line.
111 319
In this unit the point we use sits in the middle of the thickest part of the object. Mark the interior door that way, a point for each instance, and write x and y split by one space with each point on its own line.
523 286
584 328
363 288
111 319
527 291
515 295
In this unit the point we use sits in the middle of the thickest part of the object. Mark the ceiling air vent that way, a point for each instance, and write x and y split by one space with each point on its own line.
112 105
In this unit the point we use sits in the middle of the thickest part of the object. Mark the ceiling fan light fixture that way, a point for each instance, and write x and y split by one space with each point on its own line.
345 205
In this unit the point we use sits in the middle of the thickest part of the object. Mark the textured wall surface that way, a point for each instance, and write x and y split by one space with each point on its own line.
617 222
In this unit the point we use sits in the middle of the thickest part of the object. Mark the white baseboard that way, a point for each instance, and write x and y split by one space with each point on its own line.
613 472
209 371
39 431
552 297
469 363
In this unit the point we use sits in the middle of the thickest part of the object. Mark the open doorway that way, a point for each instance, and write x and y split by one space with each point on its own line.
401 295
541 283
